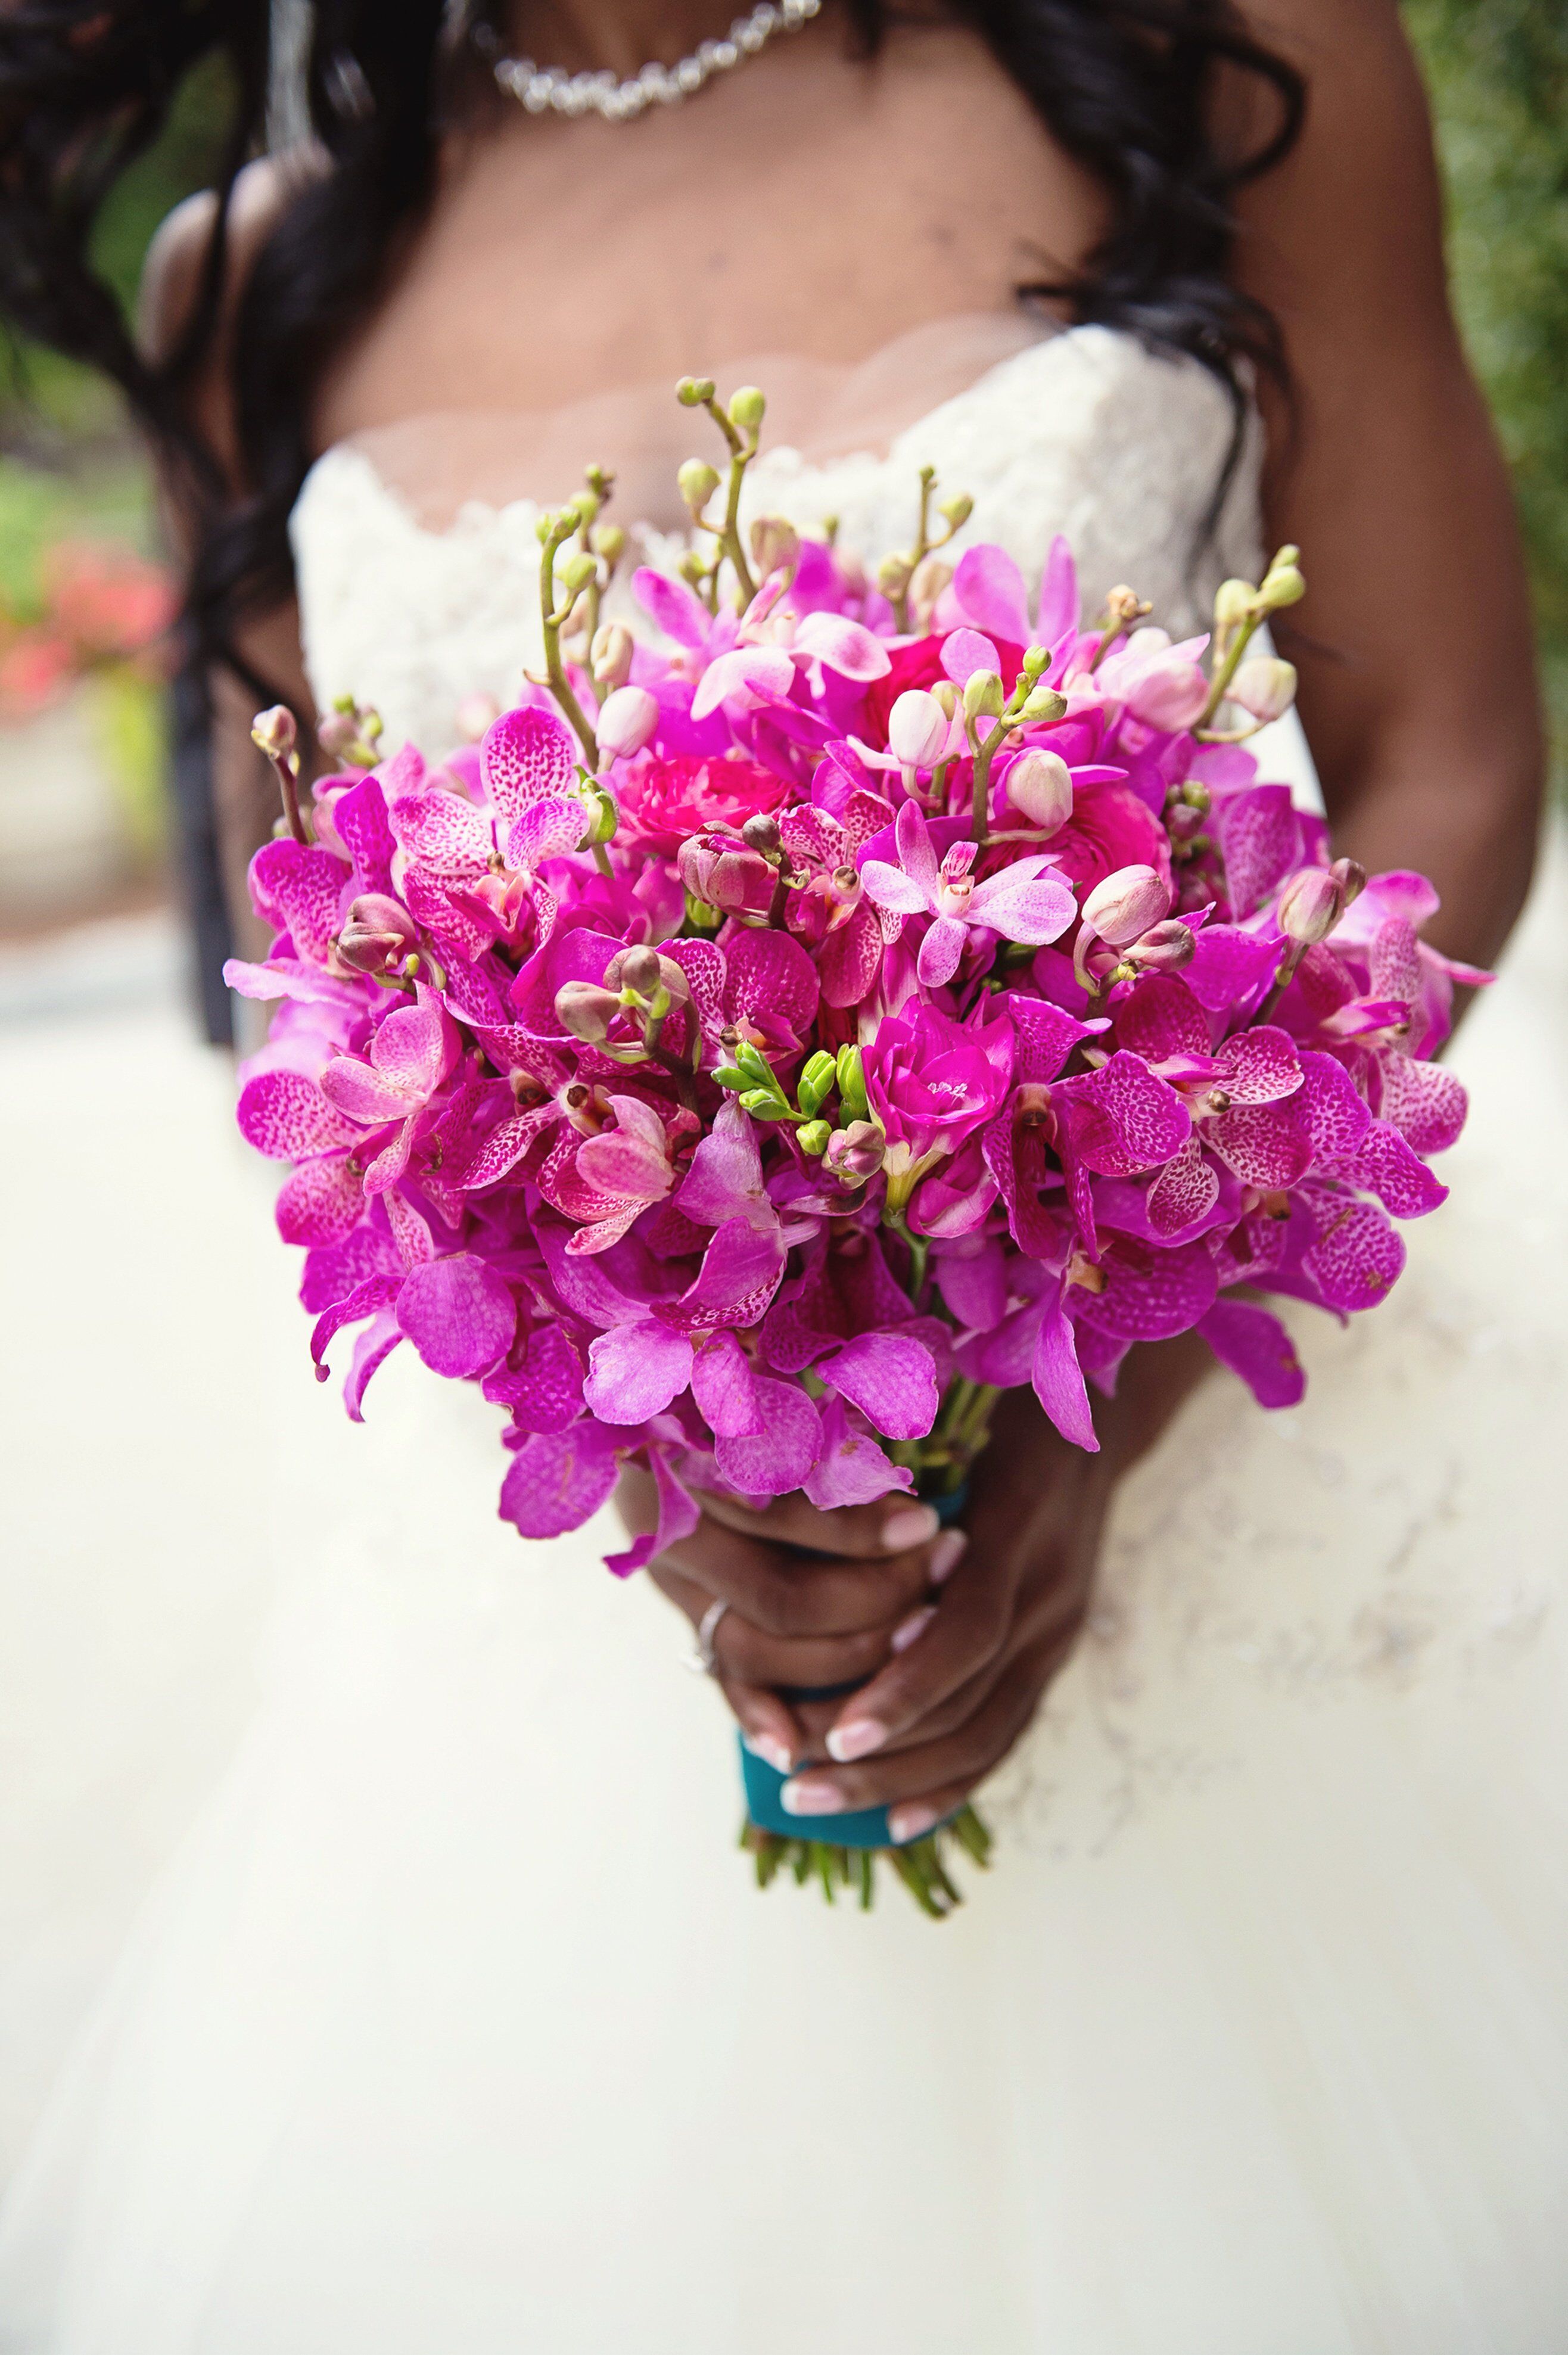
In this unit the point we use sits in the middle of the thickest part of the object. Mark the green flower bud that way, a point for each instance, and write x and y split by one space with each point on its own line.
728 1076
692 570
751 1058
700 918
1234 601
603 817
1285 585
584 506
610 542
956 512
1036 659
852 1084
1042 703
762 1104
747 409
814 1138
893 575
578 570
982 696
697 481
817 1081
275 733
693 390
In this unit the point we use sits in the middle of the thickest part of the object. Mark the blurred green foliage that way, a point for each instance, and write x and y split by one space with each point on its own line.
1498 75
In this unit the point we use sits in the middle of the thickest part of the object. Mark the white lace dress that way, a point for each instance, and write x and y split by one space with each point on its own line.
459 2024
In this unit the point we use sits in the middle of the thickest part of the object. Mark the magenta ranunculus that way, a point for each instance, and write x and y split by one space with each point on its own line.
664 801
1109 827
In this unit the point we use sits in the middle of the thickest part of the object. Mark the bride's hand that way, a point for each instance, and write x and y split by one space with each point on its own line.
959 1634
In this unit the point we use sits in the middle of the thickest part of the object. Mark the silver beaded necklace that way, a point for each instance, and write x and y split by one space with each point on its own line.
548 90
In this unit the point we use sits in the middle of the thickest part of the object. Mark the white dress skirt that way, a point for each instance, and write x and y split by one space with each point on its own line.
459 2023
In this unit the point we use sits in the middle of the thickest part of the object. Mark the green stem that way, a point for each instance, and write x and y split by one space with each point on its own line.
560 686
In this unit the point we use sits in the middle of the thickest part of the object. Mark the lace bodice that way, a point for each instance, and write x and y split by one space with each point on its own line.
1081 431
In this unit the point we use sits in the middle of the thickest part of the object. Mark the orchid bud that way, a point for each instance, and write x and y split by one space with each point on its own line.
1165 948
337 734
956 512
1039 785
378 934
698 481
1265 687
1283 583
926 582
578 570
813 1137
1121 908
760 834
747 409
583 505
628 717
586 1011
610 657
1196 796
775 544
475 715
610 542
1350 875
692 570
1310 905
917 728
635 968
855 1153
893 576
1041 704
693 390
1234 601
718 875
604 817
1031 1104
274 732
982 696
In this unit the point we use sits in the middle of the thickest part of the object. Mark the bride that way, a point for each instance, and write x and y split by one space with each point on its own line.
458 2022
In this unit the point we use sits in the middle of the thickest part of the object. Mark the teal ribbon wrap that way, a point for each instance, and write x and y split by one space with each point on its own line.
866 1826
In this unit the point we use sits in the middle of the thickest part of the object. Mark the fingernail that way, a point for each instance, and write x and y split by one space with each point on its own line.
856 1739
909 1526
778 1753
905 1633
946 1554
913 1823
806 1797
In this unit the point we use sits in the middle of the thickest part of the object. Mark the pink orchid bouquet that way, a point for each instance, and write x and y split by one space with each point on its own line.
779 1035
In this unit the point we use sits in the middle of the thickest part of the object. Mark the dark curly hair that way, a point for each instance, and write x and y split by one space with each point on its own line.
86 85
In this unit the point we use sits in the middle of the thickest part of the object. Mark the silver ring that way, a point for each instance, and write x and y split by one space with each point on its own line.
704 1661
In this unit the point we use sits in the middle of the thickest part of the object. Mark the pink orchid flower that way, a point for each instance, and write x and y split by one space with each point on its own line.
1027 902
412 1050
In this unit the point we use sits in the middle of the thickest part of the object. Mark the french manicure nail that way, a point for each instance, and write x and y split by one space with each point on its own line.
806 1797
768 1747
907 1630
909 1526
913 1823
946 1554
856 1739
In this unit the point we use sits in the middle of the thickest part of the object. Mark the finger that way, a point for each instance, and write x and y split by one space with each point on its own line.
854 1532
936 1650
756 1657
769 1725
787 1596
957 1762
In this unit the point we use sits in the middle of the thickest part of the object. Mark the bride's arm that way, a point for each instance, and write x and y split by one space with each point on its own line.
1417 680
1418 692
